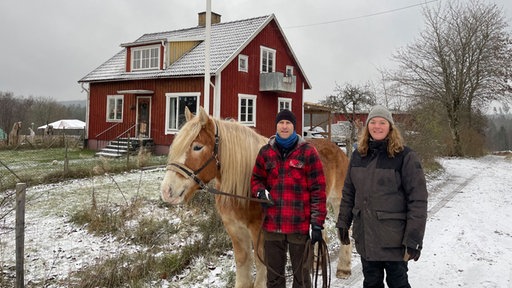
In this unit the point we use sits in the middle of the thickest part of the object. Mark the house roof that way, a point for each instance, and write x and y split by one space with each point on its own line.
226 42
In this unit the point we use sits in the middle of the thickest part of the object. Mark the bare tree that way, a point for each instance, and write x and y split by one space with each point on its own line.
34 112
462 61
348 100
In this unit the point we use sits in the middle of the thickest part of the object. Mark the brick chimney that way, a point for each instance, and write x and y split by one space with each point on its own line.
202 18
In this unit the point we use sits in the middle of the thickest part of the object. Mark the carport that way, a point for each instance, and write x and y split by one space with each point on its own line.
318 115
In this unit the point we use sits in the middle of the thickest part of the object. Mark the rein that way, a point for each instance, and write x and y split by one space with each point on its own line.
322 261
215 157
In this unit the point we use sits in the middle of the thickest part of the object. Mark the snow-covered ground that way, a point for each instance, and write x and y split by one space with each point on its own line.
468 242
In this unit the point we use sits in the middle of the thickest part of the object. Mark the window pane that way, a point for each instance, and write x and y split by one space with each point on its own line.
270 61
119 109
154 58
136 60
172 113
111 108
264 61
191 103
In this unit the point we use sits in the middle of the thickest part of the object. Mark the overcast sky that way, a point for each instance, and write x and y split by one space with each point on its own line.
47 46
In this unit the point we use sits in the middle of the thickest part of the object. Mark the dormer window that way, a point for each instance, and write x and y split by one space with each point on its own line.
268 60
145 58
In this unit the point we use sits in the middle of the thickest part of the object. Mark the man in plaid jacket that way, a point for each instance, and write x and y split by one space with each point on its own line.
288 172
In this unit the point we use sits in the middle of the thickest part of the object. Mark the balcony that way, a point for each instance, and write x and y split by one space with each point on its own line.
277 82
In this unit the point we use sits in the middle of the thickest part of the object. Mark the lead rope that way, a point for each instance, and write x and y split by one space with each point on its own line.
323 260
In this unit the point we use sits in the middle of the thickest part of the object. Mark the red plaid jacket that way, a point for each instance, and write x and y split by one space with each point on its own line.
296 184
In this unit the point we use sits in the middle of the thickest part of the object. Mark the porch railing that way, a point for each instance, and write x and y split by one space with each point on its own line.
114 132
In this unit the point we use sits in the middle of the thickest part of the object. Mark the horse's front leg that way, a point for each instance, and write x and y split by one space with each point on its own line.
343 270
258 241
242 250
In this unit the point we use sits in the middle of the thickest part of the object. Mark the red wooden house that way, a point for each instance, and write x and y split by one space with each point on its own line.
141 92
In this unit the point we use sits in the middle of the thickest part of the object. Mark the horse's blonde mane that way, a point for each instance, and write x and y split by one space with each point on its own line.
239 146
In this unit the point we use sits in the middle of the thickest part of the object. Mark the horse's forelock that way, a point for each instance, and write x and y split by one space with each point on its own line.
184 139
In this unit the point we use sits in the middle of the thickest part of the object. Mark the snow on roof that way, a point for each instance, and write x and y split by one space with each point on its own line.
227 39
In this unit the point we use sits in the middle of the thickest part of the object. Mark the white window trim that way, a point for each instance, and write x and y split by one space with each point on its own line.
168 96
108 119
263 49
246 59
283 100
141 48
289 68
251 97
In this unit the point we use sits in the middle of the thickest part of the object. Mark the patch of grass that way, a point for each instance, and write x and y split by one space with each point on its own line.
151 232
5 280
105 219
121 271
128 224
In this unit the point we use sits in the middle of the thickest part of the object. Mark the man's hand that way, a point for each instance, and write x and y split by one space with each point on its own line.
265 195
316 234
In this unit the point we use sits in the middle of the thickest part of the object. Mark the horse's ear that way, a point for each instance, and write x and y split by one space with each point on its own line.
188 114
203 116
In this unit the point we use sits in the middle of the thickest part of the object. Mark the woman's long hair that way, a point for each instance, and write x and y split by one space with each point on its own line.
395 141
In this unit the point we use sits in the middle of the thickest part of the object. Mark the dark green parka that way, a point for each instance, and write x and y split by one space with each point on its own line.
387 200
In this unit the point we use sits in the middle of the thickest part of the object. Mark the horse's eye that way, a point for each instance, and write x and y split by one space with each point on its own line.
197 147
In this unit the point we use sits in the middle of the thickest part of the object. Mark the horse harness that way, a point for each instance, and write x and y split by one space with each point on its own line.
215 157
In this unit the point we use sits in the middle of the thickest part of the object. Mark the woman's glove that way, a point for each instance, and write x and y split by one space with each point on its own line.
316 234
411 254
345 240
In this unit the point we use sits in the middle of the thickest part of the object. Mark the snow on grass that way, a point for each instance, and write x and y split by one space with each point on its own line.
468 241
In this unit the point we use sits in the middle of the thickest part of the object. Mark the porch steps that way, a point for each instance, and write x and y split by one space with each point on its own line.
120 147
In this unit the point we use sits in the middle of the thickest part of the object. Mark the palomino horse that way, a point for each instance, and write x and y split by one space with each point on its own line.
208 149
15 134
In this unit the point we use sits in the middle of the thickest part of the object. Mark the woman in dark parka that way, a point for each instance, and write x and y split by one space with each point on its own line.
385 196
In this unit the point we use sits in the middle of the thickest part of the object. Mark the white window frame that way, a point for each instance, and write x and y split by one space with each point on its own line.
241 60
284 103
267 55
113 112
242 115
289 71
168 97
145 62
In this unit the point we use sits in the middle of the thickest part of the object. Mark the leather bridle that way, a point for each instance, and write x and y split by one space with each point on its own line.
215 157
193 173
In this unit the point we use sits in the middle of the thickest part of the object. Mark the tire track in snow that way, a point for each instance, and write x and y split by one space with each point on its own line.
357 274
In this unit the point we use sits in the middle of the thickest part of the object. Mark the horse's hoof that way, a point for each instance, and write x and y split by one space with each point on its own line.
342 274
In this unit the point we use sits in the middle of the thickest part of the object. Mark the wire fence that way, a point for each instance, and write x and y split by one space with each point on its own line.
57 159
63 178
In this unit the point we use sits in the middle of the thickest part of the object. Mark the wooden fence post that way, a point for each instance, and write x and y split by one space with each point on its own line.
20 234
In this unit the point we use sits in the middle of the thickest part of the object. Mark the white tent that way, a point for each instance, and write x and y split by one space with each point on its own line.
66 124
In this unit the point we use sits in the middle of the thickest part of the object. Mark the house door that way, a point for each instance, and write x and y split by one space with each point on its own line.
143 116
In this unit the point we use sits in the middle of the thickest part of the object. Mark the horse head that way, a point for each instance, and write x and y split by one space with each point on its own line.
192 159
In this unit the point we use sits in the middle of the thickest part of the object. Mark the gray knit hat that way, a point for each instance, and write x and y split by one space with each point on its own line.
380 111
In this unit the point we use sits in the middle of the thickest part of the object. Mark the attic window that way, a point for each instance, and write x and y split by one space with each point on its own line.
145 58
268 60
243 63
